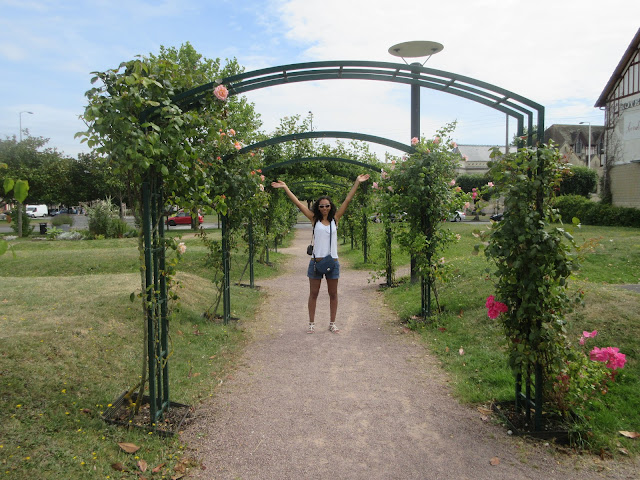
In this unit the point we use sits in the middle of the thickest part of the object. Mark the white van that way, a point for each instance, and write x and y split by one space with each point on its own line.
37 211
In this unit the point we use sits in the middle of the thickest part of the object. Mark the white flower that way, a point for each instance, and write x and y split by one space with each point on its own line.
182 248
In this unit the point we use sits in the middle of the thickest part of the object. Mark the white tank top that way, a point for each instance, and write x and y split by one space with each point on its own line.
321 240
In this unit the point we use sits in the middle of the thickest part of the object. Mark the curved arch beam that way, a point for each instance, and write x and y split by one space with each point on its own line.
327 134
478 91
274 166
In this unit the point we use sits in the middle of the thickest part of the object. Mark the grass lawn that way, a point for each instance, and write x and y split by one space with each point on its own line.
481 375
70 342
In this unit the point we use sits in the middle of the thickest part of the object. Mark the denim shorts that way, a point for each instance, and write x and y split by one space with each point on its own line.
334 275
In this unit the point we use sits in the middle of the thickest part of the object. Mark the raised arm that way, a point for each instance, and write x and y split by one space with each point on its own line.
303 208
343 208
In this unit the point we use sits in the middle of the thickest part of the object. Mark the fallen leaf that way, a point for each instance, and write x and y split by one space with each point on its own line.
212 357
118 467
198 332
177 477
85 410
197 374
446 349
129 447
142 465
461 313
179 332
494 461
624 451
629 434
442 329
486 411
158 468
461 351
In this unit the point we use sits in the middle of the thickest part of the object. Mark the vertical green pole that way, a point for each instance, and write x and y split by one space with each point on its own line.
164 310
251 254
146 228
226 267
389 264
365 243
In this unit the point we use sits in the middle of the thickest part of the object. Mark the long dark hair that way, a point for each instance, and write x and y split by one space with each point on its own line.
317 216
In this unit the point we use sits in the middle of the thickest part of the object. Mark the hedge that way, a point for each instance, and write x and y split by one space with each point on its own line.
596 213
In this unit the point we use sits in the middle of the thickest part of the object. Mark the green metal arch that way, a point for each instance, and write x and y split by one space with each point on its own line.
275 166
510 103
326 134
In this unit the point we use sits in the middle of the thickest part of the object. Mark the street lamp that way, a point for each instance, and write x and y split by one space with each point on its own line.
589 153
30 113
411 50
311 116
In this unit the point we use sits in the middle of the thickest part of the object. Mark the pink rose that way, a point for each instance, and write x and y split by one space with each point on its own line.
384 175
436 140
221 92
262 178
452 183
414 141
261 187
490 184
237 145
467 205
495 308
474 195
375 185
390 188
232 132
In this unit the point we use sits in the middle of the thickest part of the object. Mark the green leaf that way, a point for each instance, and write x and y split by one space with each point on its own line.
8 185
21 190
132 297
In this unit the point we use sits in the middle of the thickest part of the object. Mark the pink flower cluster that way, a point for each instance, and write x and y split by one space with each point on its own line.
610 356
495 308
415 141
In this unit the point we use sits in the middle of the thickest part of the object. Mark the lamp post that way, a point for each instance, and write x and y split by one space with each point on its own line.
30 113
589 147
412 50
311 117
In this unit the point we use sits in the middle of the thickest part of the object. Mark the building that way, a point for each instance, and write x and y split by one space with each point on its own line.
574 144
475 158
620 100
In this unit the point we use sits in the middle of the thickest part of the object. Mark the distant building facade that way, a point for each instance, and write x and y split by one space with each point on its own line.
620 100
475 158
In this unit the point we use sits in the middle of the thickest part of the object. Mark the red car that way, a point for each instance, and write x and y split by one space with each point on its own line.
182 218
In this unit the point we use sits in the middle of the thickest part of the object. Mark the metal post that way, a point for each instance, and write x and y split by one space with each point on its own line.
226 268
251 254
146 228
389 264
365 244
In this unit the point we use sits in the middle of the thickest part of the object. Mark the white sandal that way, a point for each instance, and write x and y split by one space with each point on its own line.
310 329
333 328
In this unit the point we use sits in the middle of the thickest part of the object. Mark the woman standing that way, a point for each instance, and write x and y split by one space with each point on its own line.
324 218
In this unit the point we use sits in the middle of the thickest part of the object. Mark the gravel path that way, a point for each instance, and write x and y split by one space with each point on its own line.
367 403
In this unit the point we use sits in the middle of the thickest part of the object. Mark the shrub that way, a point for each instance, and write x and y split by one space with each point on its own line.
104 221
470 181
596 213
63 219
579 181
27 229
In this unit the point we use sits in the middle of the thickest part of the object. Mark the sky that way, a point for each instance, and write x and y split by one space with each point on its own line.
559 53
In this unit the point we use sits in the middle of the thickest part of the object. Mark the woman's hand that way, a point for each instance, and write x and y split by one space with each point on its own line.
363 178
278 184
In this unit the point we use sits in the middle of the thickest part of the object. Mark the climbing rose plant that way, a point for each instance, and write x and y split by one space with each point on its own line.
533 259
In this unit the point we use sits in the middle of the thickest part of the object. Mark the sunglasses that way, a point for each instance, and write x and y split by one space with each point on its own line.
324 206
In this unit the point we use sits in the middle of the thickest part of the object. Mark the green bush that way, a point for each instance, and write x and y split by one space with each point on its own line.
27 229
63 219
470 181
104 221
596 213
579 181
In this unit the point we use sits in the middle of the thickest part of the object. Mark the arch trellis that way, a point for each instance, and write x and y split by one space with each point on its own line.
415 75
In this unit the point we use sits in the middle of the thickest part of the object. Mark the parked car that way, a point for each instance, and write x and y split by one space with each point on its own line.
182 218
497 217
67 211
457 216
